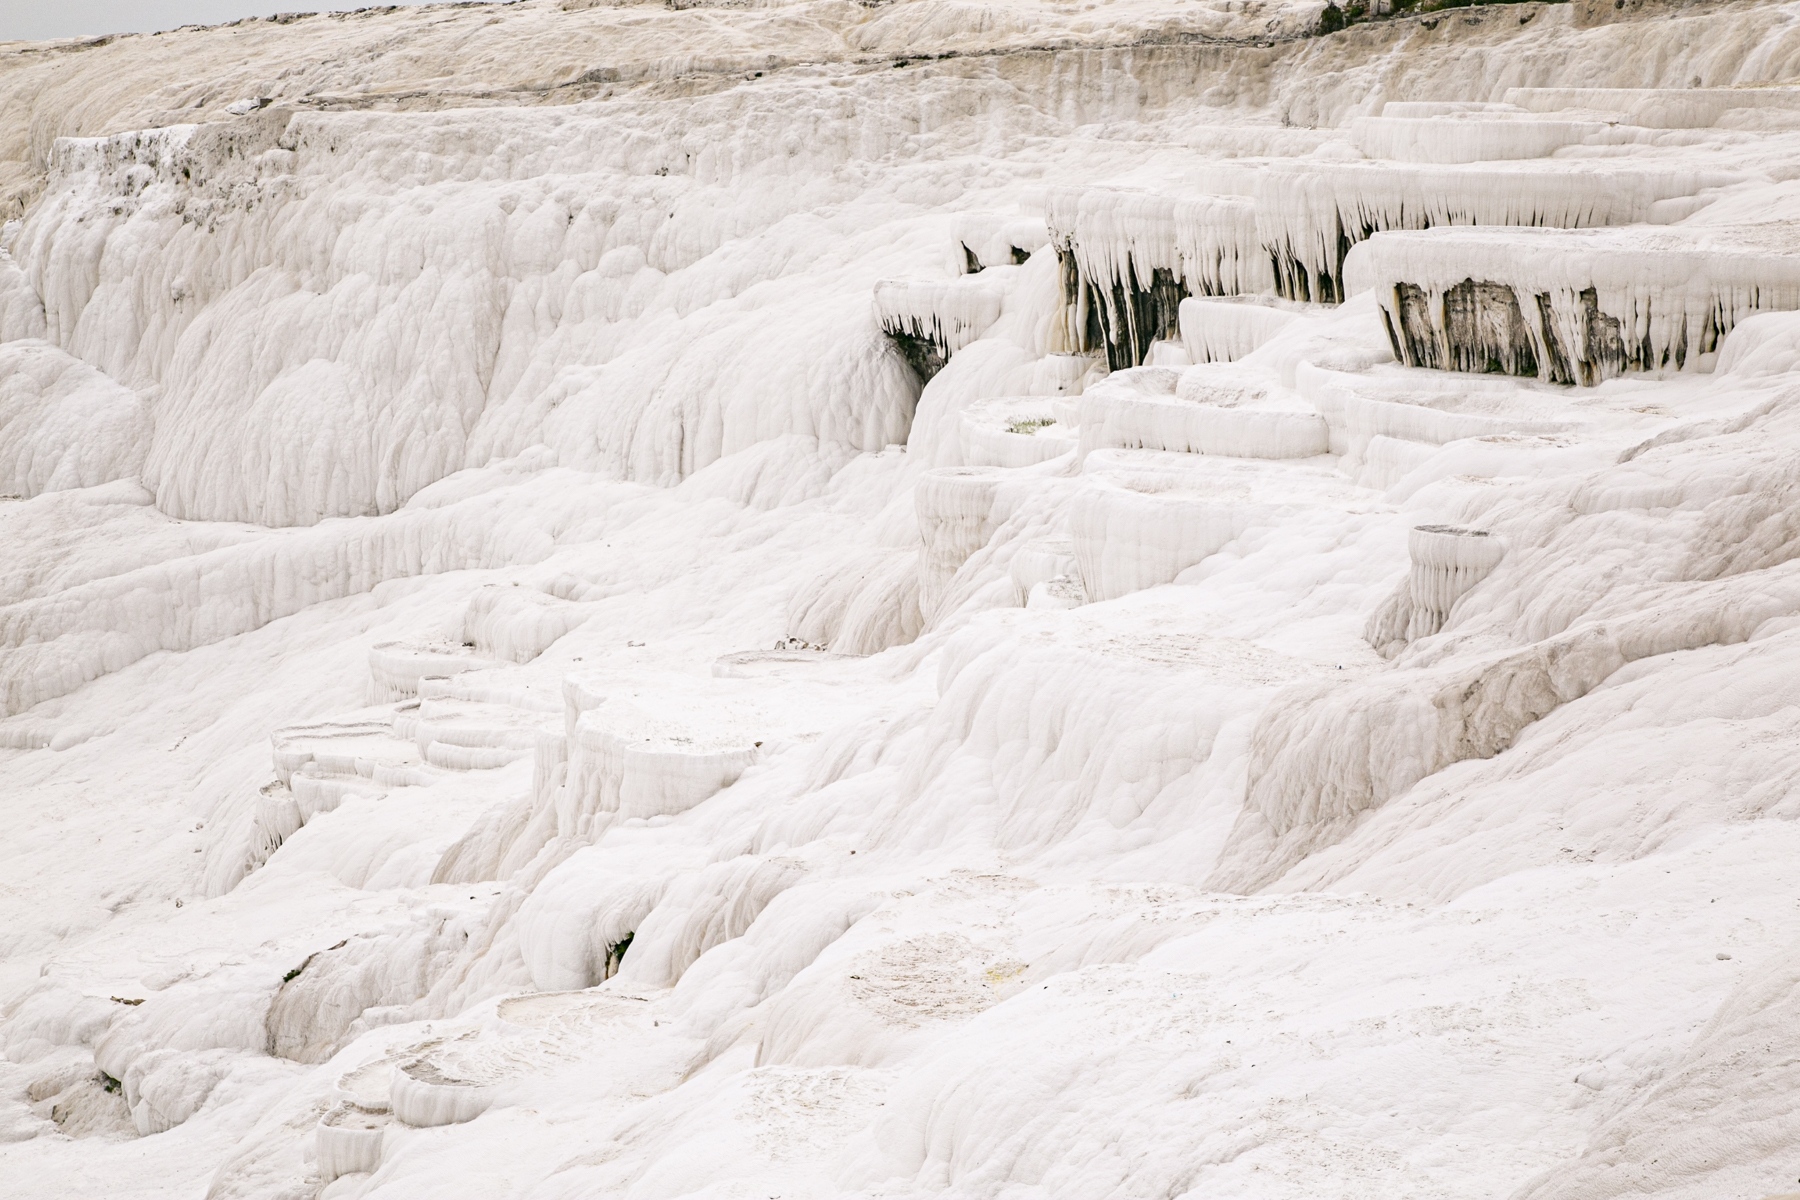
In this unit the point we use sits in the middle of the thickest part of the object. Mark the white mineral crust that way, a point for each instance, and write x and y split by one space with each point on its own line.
1021 600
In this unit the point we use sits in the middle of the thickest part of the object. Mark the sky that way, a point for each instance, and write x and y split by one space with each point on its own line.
28 20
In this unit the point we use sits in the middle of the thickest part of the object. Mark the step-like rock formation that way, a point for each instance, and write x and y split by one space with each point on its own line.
1576 306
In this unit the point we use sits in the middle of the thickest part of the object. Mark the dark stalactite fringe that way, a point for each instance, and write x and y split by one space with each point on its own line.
1122 315
1481 327
925 352
1485 330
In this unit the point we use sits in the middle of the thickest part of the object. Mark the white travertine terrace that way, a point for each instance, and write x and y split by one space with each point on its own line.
627 762
941 316
1222 331
1122 245
1217 411
1013 431
517 624
956 518
910 599
423 1094
1446 563
1657 108
1040 562
397 668
1145 517
1311 215
1470 137
1576 306
348 1142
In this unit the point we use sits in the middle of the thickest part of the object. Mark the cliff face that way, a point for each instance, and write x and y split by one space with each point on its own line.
549 52
214 259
